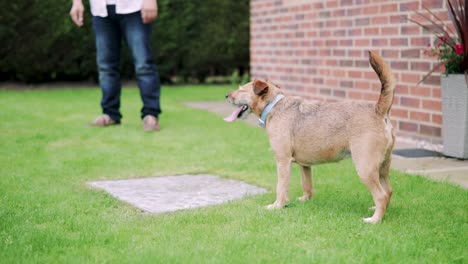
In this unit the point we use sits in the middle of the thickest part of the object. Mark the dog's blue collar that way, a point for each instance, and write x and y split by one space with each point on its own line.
267 109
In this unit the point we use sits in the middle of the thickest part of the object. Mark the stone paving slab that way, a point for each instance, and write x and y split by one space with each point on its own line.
439 169
172 193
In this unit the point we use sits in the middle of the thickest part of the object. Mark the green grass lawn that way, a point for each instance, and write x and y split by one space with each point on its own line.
48 214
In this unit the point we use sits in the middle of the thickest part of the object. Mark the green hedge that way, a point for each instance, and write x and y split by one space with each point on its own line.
191 40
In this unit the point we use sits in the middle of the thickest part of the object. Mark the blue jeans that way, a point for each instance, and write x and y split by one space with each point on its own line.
109 32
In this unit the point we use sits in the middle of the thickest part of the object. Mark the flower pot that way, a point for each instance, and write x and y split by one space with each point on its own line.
455 115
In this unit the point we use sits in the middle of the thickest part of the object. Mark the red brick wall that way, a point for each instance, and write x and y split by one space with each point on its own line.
318 49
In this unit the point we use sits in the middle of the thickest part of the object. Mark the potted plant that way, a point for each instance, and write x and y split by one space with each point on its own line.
451 49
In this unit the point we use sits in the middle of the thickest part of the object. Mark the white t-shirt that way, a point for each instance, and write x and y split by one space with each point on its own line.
98 7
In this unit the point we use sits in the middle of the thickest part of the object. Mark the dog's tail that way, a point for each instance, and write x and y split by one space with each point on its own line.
383 105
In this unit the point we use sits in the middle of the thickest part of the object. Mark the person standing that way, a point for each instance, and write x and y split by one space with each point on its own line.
130 21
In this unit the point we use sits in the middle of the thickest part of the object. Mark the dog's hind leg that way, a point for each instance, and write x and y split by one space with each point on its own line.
384 171
306 180
381 198
384 178
368 168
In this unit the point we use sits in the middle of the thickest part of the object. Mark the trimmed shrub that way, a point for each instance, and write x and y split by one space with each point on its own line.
191 39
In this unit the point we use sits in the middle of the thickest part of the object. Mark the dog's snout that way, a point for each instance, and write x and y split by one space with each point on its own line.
227 95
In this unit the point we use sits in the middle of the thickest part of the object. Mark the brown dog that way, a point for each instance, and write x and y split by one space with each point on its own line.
309 133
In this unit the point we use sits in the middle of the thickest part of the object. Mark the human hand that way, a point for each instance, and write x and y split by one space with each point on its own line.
149 11
77 12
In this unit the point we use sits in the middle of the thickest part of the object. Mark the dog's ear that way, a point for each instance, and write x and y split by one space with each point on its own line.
260 87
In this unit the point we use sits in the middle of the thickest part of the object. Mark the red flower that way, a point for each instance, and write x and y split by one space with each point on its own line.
459 49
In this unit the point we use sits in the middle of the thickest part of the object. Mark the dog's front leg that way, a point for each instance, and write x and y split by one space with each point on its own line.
282 186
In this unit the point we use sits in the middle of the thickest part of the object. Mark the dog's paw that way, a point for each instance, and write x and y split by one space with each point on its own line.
274 205
304 198
371 220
